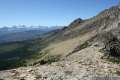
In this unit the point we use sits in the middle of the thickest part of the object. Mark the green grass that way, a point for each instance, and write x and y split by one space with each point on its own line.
17 54
8 48
50 59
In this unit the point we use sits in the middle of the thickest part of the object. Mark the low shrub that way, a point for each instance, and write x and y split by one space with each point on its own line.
49 59
112 44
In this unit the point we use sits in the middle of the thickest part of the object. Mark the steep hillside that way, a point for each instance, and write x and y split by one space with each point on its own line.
80 31
16 54
76 50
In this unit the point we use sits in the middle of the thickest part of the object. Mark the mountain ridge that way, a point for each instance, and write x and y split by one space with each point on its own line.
73 52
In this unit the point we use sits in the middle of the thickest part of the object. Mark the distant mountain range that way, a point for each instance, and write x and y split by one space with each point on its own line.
22 32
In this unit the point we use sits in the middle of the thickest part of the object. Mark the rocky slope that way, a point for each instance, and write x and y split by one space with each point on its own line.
79 49
82 65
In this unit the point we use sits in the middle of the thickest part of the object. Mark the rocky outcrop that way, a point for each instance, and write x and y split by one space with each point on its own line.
76 22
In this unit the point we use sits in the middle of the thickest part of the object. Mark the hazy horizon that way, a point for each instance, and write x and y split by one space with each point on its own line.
49 12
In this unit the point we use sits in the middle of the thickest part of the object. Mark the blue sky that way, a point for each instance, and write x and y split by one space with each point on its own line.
49 12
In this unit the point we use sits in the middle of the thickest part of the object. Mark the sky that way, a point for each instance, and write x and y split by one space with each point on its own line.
49 12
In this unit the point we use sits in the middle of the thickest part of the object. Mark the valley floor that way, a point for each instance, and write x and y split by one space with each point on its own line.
82 65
